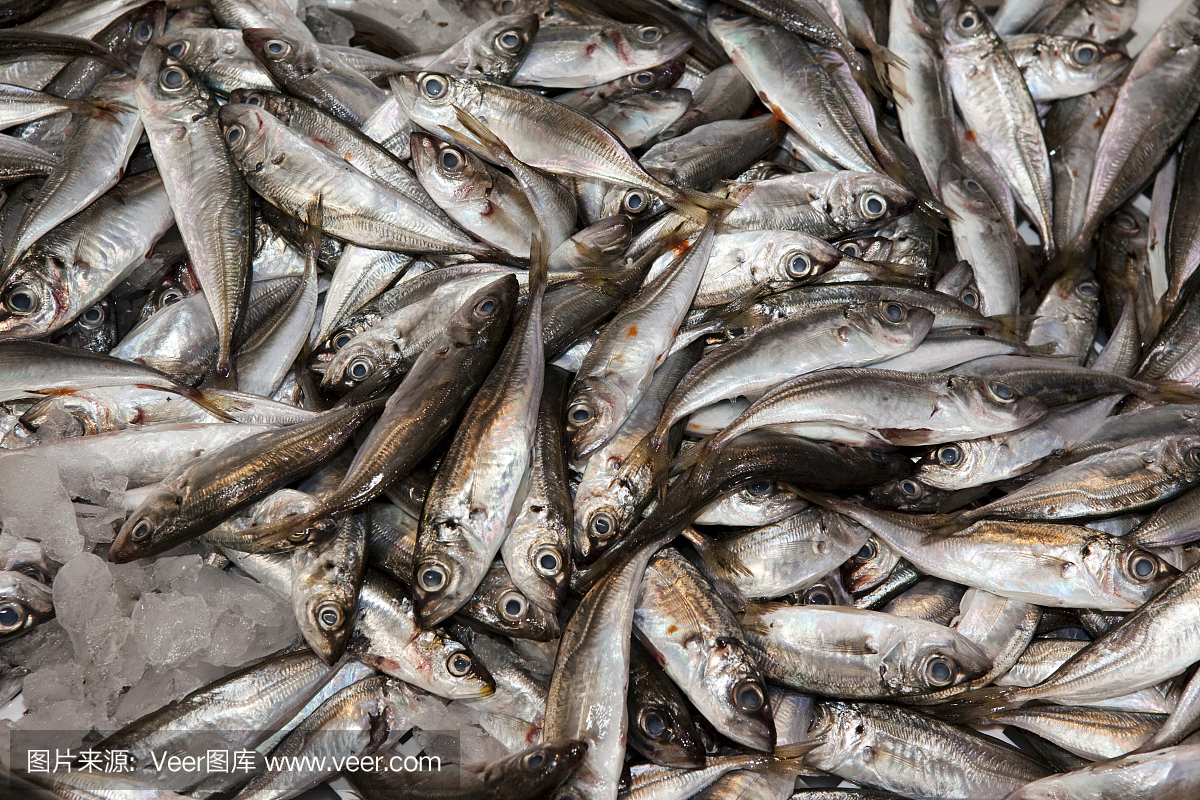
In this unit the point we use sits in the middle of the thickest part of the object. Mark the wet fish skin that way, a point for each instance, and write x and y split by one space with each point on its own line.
660 724
200 173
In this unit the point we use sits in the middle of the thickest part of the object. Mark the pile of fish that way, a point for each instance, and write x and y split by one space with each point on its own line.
644 399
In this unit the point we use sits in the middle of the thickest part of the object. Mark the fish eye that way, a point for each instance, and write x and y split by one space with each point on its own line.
1142 567
1001 392
1192 457
30 571
433 577
580 413
818 596
234 134
1086 53
451 161
970 298
11 615
867 551
1126 222
177 49
602 525
972 185
634 202
458 664
895 312
170 297
93 317
759 488
851 249
360 368
141 531
507 6
968 22
433 86
749 696
1089 289
644 78
911 489
143 34
649 34
652 723
939 671
874 205
669 133
253 100
22 299
341 340
799 265
172 79
535 759
510 40
512 606
486 307
278 48
547 561
949 455
329 616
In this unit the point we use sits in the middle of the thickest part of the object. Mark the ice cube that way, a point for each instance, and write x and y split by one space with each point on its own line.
35 505
86 605
170 627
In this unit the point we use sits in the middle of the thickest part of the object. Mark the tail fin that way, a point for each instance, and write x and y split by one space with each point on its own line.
204 400
100 108
979 704
716 554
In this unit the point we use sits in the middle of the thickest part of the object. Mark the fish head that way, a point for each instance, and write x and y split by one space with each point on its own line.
485 315
936 659
964 194
949 465
166 88
604 509
451 174
963 23
24 603
429 98
794 257
738 695
283 54
924 16
35 300
1122 570
496 49
141 26
1004 406
455 671
896 327
1111 19
197 48
595 409
639 46
277 105
837 734
538 771
865 200
29 559
760 501
630 202
150 527
1084 62
247 132
907 494
1181 457
446 571
91 414
325 622
665 733
869 566
361 358
501 606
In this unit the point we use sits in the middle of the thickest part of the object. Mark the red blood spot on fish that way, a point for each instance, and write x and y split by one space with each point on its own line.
632 331
672 628
969 135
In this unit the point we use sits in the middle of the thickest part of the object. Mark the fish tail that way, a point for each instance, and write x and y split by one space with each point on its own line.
1165 392
978 704
881 60
716 553
216 404
101 108
289 533
698 205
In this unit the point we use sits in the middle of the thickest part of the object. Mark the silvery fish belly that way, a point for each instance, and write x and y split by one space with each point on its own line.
517 399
